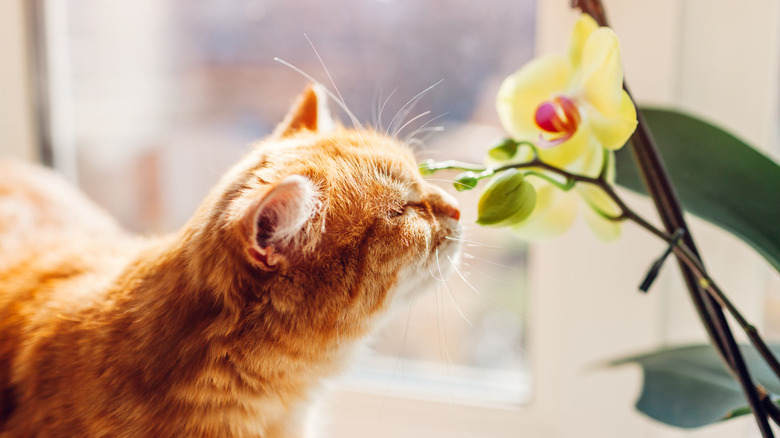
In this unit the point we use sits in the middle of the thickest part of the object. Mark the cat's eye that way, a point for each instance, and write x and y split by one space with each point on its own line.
396 212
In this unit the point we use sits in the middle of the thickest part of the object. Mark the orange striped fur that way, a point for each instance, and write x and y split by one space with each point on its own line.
227 327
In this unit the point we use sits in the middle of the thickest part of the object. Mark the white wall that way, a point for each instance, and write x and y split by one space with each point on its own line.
17 136
717 59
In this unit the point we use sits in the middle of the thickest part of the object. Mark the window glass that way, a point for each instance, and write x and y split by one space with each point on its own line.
166 95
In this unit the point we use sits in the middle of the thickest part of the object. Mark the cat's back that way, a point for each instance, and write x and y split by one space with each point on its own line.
38 209
59 255
51 233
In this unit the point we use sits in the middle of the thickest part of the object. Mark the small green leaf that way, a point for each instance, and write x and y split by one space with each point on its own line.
427 167
718 177
466 181
507 200
690 387
504 150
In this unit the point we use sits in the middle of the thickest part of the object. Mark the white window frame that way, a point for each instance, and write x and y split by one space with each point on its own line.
17 118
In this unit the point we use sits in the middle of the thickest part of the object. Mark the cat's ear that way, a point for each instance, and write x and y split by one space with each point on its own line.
273 224
309 112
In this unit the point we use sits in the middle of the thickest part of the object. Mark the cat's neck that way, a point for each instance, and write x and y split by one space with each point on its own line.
195 329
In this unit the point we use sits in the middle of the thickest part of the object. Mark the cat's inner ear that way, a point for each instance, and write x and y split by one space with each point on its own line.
309 112
274 223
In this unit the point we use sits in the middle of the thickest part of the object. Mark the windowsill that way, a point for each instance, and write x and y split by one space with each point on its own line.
453 384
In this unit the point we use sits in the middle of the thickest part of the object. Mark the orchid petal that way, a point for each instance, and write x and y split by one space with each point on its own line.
570 150
554 213
590 160
598 205
521 94
604 229
582 30
602 71
598 200
613 132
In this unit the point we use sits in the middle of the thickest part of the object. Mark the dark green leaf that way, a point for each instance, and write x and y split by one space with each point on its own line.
690 387
718 177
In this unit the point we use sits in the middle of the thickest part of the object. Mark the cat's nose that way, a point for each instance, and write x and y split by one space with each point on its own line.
445 205
442 203
448 210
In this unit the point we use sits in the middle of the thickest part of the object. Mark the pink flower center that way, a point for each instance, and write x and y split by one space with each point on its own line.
558 115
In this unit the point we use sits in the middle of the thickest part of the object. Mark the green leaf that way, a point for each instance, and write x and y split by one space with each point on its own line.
718 177
504 150
466 181
690 387
427 167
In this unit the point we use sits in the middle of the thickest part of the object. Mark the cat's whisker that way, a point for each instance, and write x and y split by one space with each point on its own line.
376 97
415 143
400 356
382 109
438 279
462 277
442 328
476 244
420 141
429 130
424 125
404 111
469 245
358 127
423 114
495 303
449 292
355 122
488 261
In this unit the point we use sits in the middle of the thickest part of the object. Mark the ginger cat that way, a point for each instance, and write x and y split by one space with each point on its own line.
227 327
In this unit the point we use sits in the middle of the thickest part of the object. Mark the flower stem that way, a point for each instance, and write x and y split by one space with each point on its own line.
662 191
682 251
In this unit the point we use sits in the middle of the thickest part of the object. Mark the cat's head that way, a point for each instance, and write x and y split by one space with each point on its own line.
331 225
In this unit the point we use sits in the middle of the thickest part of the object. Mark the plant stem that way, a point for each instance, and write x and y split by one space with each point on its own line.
686 256
659 186
711 287
688 259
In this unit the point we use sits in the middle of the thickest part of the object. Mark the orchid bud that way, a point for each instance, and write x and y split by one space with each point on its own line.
507 200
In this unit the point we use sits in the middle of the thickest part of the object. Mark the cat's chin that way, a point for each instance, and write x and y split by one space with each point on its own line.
424 277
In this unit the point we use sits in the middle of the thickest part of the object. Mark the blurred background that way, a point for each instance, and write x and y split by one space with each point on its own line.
145 104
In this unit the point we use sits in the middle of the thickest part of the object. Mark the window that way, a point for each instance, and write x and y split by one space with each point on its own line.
156 99
161 96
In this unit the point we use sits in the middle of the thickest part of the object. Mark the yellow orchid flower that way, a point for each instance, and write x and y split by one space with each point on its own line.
573 108
561 103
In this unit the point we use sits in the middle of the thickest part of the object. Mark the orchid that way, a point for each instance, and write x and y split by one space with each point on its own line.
568 116
569 106
575 111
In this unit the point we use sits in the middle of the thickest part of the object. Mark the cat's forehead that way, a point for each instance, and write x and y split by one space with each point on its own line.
369 154
349 161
